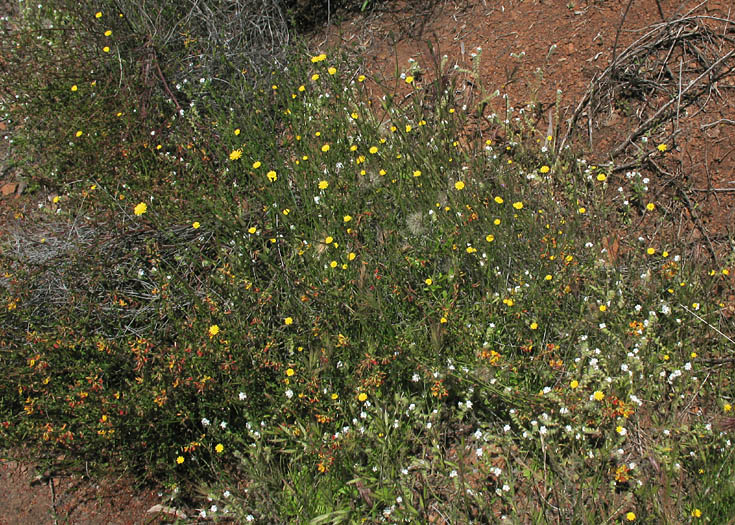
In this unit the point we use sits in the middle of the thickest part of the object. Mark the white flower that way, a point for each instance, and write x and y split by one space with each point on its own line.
226 494
242 396
479 452
415 378
289 393
453 474
249 517
205 422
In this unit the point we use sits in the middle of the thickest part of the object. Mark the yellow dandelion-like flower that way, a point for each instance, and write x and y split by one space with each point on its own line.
548 277
272 176
98 14
288 321
195 225
315 77
459 185
74 87
727 407
630 516
108 32
574 384
361 78
534 325
362 397
332 70
290 372
490 237
213 330
235 154
499 200
333 264
409 79
603 308
582 210
347 218
696 513
373 150
79 133
544 169
428 281
518 205
662 147
106 49
651 251
325 148
351 256
180 460
219 448
318 58
335 396
598 395
443 320
601 177
140 208
323 185
650 206
417 173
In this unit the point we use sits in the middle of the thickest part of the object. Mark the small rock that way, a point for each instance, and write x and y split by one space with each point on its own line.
8 189
161 509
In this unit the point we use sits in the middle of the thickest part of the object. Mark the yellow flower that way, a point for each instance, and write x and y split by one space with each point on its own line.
534 325
106 49
548 277
98 14
727 407
252 230
582 209
428 281
256 164
518 205
630 516
409 79
459 185
180 460
574 384
79 133
351 256
603 308
362 397
318 58
499 200
544 169
272 176
315 77
373 150
237 132
662 147
696 513
651 251
417 173
108 32
333 264
443 320
490 237
335 396
219 448
601 177
56 199
323 185
236 154
347 218
354 115
213 330
650 206
290 372
332 70
141 208
325 148
288 321
74 87
361 78
598 395
195 225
